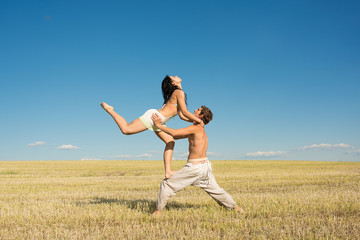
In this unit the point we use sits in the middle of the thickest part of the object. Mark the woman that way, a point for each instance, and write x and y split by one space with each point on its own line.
174 103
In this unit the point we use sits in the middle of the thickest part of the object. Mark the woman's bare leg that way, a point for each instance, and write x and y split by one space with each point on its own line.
168 152
135 126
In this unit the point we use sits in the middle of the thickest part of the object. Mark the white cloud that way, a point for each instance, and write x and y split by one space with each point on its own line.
68 147
357 151
156 152
36 144
185 154
90 159
180 155
121 156
128 156
214 154
265 154
146 155
326 146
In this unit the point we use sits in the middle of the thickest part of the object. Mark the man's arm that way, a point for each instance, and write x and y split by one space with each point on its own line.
176 133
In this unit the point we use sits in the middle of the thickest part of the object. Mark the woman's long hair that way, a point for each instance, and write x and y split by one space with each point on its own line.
168 88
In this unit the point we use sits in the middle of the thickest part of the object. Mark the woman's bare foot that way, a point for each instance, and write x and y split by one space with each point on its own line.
169 174
157 213
239 209
106 107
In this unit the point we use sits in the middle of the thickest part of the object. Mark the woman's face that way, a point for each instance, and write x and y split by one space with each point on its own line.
176 80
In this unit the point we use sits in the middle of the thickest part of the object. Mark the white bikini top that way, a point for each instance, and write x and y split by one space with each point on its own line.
174 104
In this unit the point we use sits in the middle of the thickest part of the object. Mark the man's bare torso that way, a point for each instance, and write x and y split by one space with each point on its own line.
198 143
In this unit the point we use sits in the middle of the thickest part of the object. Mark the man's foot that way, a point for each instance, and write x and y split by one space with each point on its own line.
169 174
107 107
239 209
157 213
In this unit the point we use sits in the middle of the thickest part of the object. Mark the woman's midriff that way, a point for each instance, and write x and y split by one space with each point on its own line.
167 112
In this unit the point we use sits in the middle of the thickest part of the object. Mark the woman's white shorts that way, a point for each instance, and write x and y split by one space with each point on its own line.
148 122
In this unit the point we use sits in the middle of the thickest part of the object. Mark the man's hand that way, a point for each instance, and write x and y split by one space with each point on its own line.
156 119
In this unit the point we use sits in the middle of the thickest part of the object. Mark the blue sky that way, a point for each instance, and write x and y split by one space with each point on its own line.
281 77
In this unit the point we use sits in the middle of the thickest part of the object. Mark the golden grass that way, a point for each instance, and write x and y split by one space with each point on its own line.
114 200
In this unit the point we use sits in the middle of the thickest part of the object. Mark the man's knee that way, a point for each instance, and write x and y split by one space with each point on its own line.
164 186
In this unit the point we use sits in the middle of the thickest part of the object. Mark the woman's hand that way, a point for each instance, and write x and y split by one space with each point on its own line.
202 124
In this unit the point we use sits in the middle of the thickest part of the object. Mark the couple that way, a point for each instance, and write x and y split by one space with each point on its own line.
197 171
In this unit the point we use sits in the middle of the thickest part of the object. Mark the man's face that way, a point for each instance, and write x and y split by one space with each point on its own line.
197 112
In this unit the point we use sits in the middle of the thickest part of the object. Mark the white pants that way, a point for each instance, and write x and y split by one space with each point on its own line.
199 175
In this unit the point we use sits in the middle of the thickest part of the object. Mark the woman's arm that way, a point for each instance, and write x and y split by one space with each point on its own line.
181 116
180 95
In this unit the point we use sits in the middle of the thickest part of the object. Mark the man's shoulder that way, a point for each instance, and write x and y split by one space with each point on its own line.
197 128
192 128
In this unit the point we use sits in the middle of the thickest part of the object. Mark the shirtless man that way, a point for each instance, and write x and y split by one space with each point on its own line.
197 171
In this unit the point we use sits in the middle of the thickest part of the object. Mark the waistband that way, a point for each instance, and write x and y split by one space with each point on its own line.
197 160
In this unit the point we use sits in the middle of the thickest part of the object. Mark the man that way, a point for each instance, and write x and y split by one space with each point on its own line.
197 172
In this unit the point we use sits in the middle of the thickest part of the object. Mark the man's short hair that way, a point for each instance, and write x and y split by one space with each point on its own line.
206 114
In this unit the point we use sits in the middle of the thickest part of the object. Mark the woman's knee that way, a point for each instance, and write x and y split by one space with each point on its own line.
126 131
170 145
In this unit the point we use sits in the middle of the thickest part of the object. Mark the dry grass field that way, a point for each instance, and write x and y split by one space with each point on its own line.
114 200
